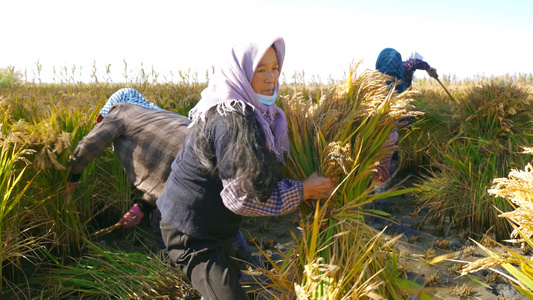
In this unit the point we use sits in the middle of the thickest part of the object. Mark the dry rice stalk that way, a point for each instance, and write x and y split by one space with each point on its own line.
42 138
487 263
462 291
528 150
432 279
299 112
337 159
7 105
517 189
359 97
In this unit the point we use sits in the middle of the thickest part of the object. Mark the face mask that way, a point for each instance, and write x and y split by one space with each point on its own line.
267 100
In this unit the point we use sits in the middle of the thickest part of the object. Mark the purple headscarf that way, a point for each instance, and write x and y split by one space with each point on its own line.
231 85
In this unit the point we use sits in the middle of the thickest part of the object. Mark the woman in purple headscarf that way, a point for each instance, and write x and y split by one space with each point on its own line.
229 168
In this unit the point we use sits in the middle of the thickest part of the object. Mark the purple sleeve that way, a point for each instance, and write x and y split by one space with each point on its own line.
285 198
415 64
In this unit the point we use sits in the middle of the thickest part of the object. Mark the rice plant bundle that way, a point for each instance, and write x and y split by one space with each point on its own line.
489 125
517 188
431 131
345 134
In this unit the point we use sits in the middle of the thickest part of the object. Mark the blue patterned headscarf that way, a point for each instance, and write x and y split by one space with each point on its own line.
390 62
128 95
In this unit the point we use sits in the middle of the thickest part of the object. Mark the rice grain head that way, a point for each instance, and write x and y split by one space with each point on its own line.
487 263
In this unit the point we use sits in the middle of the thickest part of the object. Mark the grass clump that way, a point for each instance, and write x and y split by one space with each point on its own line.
107 274
16 222
9 77
481 141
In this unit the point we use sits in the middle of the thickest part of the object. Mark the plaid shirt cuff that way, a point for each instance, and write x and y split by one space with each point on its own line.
285 198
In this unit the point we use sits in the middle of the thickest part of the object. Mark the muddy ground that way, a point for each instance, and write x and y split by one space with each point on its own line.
420 240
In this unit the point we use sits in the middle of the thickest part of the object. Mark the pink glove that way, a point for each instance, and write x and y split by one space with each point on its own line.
133 217
70 186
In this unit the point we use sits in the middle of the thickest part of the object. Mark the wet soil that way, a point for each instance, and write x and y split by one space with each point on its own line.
420 241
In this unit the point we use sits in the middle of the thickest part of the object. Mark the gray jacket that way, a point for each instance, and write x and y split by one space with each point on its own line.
146 141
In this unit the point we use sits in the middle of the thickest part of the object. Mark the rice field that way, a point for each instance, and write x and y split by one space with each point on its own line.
459 150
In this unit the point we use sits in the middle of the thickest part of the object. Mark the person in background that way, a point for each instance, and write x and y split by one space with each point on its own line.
231 167
390 62
415 62
146 139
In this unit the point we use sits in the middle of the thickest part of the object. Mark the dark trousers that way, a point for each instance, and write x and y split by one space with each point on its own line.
208 263
156 219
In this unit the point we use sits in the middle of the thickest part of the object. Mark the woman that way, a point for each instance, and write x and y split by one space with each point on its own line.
389 62
145 139
229 168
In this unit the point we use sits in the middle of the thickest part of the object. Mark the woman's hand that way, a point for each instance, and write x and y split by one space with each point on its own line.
70 186
318 187
433 73
133 217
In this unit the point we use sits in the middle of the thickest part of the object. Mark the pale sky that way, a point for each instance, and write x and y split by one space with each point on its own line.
457 37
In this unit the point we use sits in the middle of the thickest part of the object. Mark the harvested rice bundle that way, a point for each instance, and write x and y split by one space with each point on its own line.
345 134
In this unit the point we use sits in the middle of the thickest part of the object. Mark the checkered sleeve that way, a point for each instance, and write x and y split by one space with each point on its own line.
101 136
285 198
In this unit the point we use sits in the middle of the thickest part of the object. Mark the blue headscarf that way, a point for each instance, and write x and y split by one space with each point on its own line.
127 95
390 62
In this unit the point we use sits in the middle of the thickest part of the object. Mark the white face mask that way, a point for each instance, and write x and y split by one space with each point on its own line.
267 100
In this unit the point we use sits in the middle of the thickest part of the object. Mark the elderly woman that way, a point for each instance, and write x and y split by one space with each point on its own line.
390 62
229 168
